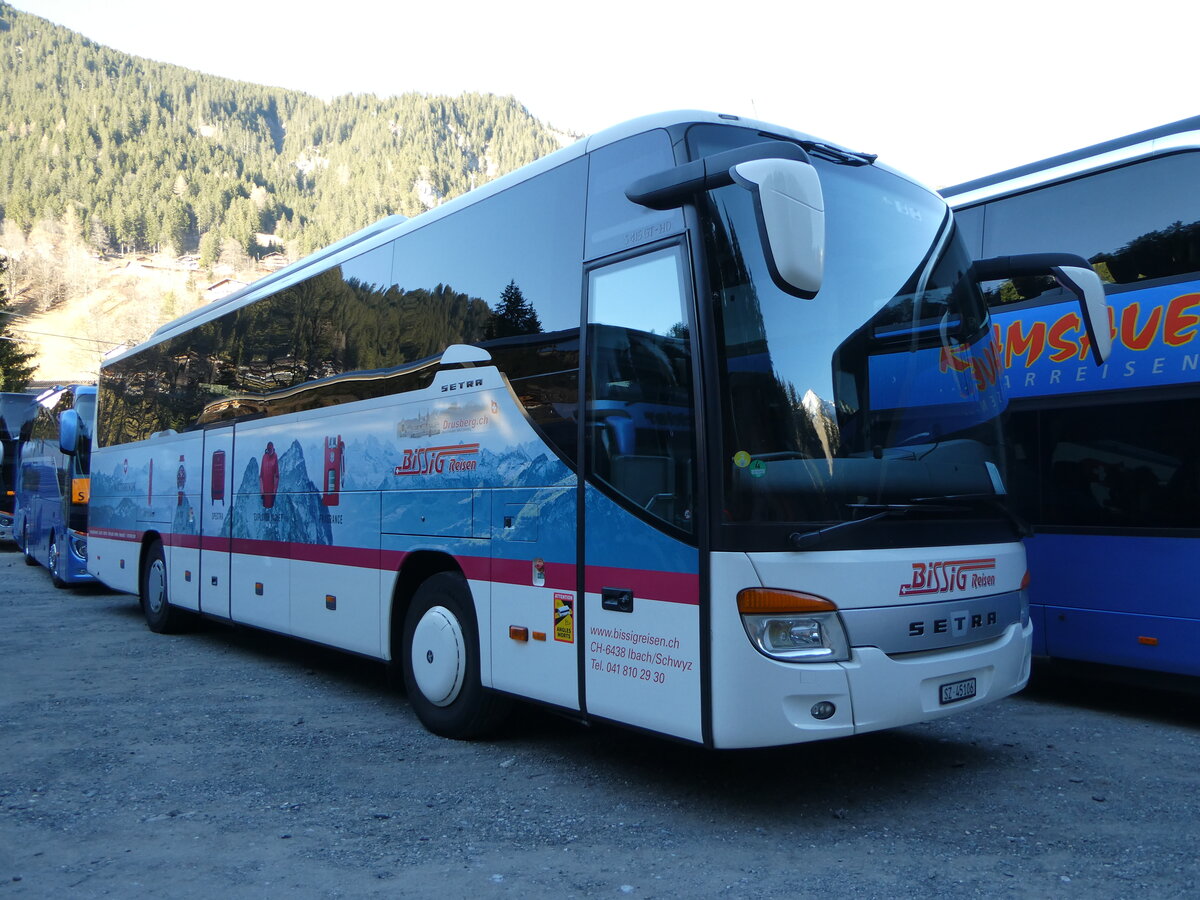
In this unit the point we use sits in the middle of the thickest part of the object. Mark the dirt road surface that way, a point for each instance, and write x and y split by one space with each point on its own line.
228 763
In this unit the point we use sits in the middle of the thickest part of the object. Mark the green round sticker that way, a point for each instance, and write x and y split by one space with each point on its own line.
758 468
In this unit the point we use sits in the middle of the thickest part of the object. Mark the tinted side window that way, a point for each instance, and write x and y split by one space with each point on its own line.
517 256
970 226
1124 465
1133 223
504 274
288 352
614 223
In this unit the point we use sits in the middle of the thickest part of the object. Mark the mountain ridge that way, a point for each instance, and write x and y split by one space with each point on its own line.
104 154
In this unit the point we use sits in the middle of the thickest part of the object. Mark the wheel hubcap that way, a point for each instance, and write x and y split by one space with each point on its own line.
439 658
54 557
156 586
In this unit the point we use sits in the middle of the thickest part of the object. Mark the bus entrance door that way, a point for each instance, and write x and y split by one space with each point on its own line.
216 521
641 656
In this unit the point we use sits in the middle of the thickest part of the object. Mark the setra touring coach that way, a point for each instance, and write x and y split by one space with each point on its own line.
694 426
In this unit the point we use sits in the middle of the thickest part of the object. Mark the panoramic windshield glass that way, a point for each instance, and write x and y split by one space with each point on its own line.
85 405
883 389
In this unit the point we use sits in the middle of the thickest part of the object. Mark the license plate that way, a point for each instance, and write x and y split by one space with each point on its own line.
956 690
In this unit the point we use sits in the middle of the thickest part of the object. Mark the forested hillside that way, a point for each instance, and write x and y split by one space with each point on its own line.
140 155
106 155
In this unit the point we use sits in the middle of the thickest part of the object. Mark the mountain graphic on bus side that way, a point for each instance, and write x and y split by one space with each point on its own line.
295 515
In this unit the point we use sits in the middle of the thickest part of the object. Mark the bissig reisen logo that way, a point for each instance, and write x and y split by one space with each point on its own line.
436 460
950 576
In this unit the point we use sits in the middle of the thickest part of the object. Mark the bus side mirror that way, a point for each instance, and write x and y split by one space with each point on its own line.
1086 285
788 204
68 432
1073 273
790 209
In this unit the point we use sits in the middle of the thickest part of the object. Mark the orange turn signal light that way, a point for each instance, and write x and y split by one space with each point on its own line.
768 601
518 632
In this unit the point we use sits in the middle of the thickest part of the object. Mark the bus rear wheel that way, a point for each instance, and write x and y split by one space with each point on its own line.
25 551
161 616
440 661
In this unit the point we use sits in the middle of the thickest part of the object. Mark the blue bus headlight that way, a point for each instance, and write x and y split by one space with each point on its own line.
79 544
793 627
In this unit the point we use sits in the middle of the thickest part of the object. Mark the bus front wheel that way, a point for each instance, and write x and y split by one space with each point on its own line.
440 660
160 615
55 560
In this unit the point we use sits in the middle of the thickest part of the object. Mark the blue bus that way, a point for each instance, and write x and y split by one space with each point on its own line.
16 411
1105 460
53 485
652 431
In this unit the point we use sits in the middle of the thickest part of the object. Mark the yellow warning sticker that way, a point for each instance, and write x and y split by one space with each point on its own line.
564 617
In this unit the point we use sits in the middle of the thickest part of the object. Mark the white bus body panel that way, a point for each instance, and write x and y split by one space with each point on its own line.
543 669
644 670
215 502
758 701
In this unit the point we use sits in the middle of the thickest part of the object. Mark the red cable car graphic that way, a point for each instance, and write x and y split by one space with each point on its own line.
269 475
332 479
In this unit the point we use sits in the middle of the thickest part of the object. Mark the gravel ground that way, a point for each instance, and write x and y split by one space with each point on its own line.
231 763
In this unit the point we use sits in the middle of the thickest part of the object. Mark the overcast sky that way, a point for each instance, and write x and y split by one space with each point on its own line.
945 91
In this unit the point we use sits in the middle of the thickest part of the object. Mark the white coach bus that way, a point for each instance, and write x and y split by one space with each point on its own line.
694 426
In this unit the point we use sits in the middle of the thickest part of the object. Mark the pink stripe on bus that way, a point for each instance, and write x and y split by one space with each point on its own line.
669 587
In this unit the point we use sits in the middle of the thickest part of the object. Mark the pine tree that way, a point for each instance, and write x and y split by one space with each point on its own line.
513 315
16 369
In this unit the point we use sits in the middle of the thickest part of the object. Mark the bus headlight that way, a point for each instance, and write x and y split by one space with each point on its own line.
792 626
79 544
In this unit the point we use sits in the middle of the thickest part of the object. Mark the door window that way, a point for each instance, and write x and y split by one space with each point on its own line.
640 419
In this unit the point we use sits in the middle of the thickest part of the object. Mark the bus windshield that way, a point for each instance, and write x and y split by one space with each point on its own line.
85 405
882 390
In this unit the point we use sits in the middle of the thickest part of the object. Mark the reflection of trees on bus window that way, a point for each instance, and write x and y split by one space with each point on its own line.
1159 254
513 315
1132 223
503 275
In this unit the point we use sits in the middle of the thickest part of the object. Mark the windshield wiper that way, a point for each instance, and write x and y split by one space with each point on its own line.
804 540
839 154
1023 528
942 504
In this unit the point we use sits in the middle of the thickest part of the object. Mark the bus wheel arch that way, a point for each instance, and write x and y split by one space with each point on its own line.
438 658
153 594
415 570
